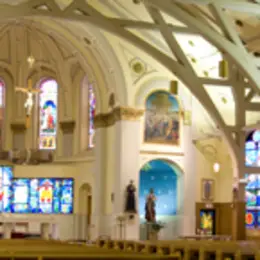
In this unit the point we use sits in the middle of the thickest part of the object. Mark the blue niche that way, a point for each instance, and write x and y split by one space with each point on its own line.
160 176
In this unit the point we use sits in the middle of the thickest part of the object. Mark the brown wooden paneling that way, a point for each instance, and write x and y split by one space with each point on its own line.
223 217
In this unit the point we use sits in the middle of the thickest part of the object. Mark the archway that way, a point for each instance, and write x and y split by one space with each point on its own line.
85 211
166 179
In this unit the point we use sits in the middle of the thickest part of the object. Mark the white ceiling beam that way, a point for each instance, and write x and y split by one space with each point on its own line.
215 82
236 54
252 106
233 128
256 61
195 84
250 95
234 5
168 37
226 25
132 24
250 170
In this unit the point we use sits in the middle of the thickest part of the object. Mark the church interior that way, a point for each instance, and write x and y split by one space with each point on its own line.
130 125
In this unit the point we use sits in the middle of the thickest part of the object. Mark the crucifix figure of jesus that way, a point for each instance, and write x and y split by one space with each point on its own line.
30 92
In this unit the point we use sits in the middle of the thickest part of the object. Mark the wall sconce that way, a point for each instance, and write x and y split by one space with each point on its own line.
223 69
174 87
216 167
187 120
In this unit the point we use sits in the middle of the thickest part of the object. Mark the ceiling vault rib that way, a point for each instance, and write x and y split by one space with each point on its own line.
243 60
252 106
198 89
226 25
131 24
168 36
250 95
215 82
230 45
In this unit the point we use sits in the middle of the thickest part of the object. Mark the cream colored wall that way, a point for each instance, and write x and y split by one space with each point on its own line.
194 164
223 179
82 172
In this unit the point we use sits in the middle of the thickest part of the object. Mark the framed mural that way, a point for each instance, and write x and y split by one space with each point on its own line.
207 189
162 119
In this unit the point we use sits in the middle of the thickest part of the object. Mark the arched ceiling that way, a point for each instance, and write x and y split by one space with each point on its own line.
180 35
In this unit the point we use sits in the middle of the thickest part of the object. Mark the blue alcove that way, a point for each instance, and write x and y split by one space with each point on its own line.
160 176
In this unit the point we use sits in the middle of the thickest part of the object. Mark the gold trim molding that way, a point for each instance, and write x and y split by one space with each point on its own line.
117 114
18 127
67 126
161 153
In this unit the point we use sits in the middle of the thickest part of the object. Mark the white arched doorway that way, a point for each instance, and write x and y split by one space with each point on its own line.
165 177
85 212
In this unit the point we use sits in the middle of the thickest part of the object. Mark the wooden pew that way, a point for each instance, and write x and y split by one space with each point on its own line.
46 250
190 249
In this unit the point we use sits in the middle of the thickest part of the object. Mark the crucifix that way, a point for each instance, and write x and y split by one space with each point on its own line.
30 92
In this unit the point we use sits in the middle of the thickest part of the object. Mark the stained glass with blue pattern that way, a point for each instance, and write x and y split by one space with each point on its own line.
92 109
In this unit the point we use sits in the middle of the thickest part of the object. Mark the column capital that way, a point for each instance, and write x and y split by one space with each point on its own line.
127 113
117 114
18 127
67 126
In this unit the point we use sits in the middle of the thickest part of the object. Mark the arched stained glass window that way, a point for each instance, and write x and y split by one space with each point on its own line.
92 108
2 108
48 101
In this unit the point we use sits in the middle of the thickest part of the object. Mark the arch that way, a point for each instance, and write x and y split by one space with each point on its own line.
172 169
95 70
48 114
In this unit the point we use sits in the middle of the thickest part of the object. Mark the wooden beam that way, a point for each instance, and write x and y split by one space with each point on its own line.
249 96
131 24
252 106
252 170
215 82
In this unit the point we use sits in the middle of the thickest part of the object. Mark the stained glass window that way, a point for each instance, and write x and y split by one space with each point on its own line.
2 106
49 196
92 108
6 174
48 100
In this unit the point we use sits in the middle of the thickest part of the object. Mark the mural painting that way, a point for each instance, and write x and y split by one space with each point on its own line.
162 119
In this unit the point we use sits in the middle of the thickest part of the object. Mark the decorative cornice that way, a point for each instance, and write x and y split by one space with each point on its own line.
18 127
127 113
104 120
179 154
117 114
67 126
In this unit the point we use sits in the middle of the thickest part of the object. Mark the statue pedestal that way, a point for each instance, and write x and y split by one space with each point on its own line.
153 235
121 227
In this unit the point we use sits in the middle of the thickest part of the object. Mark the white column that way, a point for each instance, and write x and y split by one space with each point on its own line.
189 192
45 231
127 155
99 219
8 227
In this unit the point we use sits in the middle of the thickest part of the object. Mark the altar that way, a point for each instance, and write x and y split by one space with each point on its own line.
46 224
